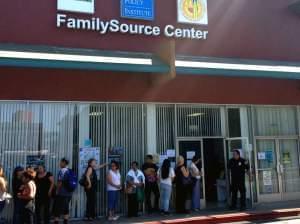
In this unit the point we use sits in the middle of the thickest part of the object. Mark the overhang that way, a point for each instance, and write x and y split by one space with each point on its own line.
83 59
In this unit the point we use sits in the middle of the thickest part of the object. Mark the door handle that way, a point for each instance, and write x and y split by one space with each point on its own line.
281 168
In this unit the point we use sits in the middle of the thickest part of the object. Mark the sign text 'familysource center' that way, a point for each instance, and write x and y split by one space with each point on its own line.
189 11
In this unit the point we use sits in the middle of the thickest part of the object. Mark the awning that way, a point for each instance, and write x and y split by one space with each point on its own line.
83 59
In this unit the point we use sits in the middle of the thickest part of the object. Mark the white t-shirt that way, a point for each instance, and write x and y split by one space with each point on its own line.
194 170
115 179
168 180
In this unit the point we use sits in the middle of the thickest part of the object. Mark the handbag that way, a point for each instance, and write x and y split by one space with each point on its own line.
186 181
128 189
83 181
7 197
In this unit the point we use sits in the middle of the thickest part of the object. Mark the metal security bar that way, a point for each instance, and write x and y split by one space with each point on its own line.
198 121
165 127
56 130
31 129
275 121
127 130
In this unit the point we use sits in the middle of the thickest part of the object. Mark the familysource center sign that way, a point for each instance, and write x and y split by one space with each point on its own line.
189 11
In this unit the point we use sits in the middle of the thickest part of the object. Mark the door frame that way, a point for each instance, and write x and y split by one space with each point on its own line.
280 196
250 150
200 139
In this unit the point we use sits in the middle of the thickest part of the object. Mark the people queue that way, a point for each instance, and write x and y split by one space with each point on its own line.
33 189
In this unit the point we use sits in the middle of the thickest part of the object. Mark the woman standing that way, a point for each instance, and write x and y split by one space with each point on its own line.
3 189
27 196
196 174
44 188
166 176
113 188
16 186
91 188
135 182
182 185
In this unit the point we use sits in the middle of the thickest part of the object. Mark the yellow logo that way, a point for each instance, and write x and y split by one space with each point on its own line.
192 10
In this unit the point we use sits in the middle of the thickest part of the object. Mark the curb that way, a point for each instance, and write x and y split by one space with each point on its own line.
233 217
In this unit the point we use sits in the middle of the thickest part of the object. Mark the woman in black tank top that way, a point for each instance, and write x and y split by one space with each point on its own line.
91 188
45 184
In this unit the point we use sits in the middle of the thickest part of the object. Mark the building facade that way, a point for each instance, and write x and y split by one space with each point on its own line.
197 77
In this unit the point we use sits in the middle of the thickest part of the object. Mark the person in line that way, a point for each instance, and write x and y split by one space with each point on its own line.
166 176
16 187
27 197
135 181
196 175
113 187
91 188
150 172
45 185
182 182
238 167
63 195
3 190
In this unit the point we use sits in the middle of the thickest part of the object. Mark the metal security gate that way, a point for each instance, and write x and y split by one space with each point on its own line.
165 127
57 130
28 129
276 140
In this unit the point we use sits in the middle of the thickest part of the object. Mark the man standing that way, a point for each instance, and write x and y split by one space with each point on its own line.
63 194
238 167
150 172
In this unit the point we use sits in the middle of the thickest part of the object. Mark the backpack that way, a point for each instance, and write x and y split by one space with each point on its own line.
71 180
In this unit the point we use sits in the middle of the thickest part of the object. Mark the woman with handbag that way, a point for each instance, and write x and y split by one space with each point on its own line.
44 191
183 181
27 196
135 182
90 187
196 175
113 187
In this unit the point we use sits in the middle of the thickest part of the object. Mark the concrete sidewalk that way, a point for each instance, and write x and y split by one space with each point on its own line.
266 211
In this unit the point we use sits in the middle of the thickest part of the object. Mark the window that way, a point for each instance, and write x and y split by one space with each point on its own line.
83 6
234 122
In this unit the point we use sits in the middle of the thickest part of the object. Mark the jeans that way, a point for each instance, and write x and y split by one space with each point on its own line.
113 197
149 188
165 196
196 195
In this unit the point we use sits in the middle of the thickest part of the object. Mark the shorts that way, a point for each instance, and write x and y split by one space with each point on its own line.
61 205
113 197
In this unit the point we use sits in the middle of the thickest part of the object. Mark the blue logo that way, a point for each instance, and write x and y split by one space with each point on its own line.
137 9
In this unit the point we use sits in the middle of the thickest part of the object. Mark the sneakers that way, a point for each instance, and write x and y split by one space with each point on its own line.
116 217
113 218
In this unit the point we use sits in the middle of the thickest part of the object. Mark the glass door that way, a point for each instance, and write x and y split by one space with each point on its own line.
241 144
278 173
289 168
188 149
268 174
